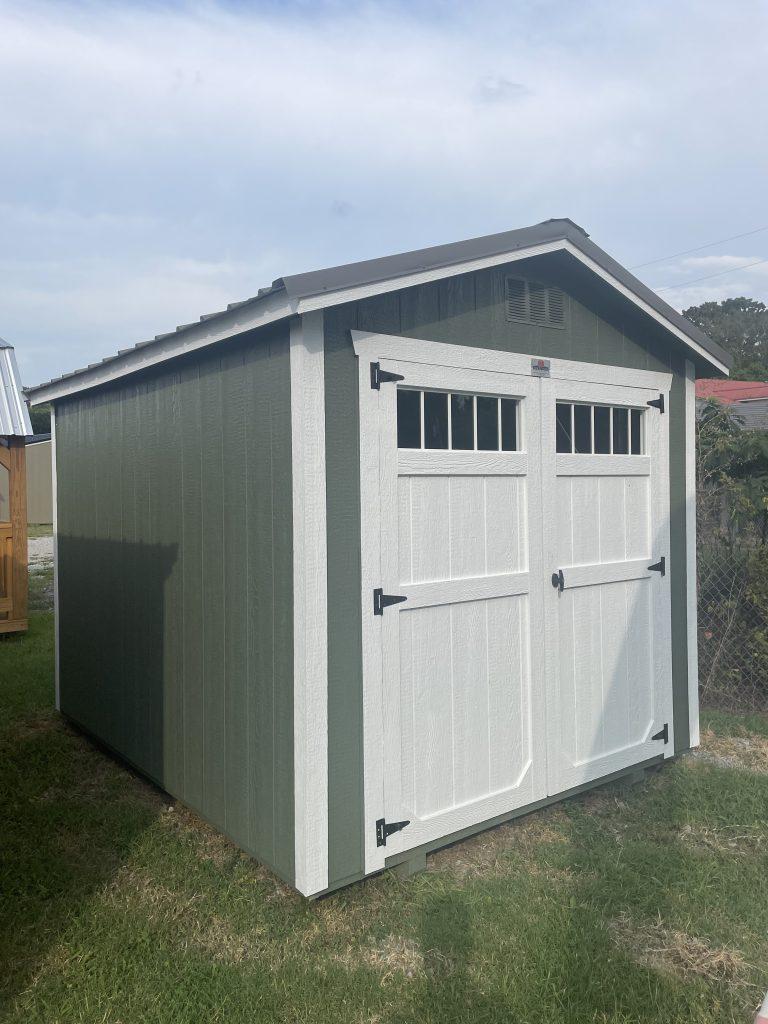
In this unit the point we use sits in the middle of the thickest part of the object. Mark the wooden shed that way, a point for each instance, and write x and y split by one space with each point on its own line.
388 553
14 427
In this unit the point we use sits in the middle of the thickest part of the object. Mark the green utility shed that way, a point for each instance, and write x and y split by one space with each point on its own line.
390 552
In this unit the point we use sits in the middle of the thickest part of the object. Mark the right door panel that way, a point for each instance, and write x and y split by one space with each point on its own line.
605 523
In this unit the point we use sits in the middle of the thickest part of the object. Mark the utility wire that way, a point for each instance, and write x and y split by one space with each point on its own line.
719 273
708 245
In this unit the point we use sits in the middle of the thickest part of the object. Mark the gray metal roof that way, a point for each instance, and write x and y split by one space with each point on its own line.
14 417
321 285
556 229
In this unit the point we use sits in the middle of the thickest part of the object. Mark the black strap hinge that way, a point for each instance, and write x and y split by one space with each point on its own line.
382 600
379 376
662 734
658 403
558 580
383 830
660 566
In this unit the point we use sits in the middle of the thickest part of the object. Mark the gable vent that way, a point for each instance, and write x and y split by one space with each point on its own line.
529 302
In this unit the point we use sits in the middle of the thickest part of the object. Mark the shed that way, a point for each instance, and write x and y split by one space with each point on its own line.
39 480
14 426
388 553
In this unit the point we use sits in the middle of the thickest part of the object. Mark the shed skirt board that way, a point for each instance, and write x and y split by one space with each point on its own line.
486 688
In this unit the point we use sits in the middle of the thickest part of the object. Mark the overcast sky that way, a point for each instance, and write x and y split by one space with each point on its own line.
161 160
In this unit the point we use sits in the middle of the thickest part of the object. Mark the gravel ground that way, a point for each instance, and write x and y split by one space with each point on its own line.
40 550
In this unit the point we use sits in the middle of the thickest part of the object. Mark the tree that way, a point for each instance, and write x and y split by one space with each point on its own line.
741 326
40 417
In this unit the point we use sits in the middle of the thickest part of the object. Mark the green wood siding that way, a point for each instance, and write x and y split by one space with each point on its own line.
466 310
175 582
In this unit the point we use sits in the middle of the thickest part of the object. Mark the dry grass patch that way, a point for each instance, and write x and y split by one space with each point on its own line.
674 952
193 928
734 840
394 957
747 753
486 851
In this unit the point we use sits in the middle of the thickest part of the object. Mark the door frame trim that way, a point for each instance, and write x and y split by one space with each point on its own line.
371 347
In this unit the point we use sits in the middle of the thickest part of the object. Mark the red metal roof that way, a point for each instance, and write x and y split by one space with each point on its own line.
732 390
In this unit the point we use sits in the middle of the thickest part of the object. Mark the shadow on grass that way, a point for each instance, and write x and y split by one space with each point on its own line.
70 817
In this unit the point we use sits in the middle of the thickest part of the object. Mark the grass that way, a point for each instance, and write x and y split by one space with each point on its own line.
633 904
35 530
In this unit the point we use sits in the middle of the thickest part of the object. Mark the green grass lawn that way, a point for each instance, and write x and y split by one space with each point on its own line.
640 903
35 530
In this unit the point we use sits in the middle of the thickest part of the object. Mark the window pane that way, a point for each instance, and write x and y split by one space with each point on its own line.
509 424
563 428
408 419
462 423
435 420
637 437
5 495
487 424
602 430
621 431
582 428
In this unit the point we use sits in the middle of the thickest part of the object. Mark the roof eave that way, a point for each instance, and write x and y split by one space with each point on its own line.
303 293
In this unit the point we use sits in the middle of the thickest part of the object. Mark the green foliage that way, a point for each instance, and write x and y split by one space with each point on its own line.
732 514
40 416
740 325
732 469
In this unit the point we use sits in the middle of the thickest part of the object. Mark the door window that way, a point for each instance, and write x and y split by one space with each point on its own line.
456 421
584 429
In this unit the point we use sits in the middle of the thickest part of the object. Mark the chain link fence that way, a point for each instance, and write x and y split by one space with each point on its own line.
732 542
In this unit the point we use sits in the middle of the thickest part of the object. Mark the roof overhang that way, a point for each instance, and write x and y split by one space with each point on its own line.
303 293
14 416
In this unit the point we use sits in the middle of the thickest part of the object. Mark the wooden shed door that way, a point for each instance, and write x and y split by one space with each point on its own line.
464 731
606 519
522 623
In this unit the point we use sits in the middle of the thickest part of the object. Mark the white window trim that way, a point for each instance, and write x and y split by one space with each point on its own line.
690 554
310 604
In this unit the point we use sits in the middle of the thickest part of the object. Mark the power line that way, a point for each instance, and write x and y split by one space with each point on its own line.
708 245
719 273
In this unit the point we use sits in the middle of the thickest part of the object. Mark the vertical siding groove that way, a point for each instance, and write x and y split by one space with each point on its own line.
184 586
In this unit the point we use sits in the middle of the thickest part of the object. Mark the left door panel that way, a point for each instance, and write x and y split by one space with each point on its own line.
464 731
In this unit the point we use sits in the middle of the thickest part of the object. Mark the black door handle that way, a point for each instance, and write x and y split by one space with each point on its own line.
557 580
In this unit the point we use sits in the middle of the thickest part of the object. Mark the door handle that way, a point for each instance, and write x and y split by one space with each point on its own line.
558 582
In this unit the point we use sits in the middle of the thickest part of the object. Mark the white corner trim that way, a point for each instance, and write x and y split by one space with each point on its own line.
246 318
372 346
54 493
310 608
690 553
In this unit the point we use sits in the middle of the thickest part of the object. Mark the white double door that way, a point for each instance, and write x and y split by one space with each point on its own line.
530 649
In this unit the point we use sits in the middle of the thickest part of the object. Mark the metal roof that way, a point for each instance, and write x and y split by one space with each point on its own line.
299 293
14 416
732 390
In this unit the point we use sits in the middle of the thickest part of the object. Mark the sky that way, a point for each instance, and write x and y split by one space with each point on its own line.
159 160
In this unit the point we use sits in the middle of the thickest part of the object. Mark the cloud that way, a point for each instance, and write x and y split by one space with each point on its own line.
738 277
497 89
244 137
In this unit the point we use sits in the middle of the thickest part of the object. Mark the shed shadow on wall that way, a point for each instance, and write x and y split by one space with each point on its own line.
116 682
